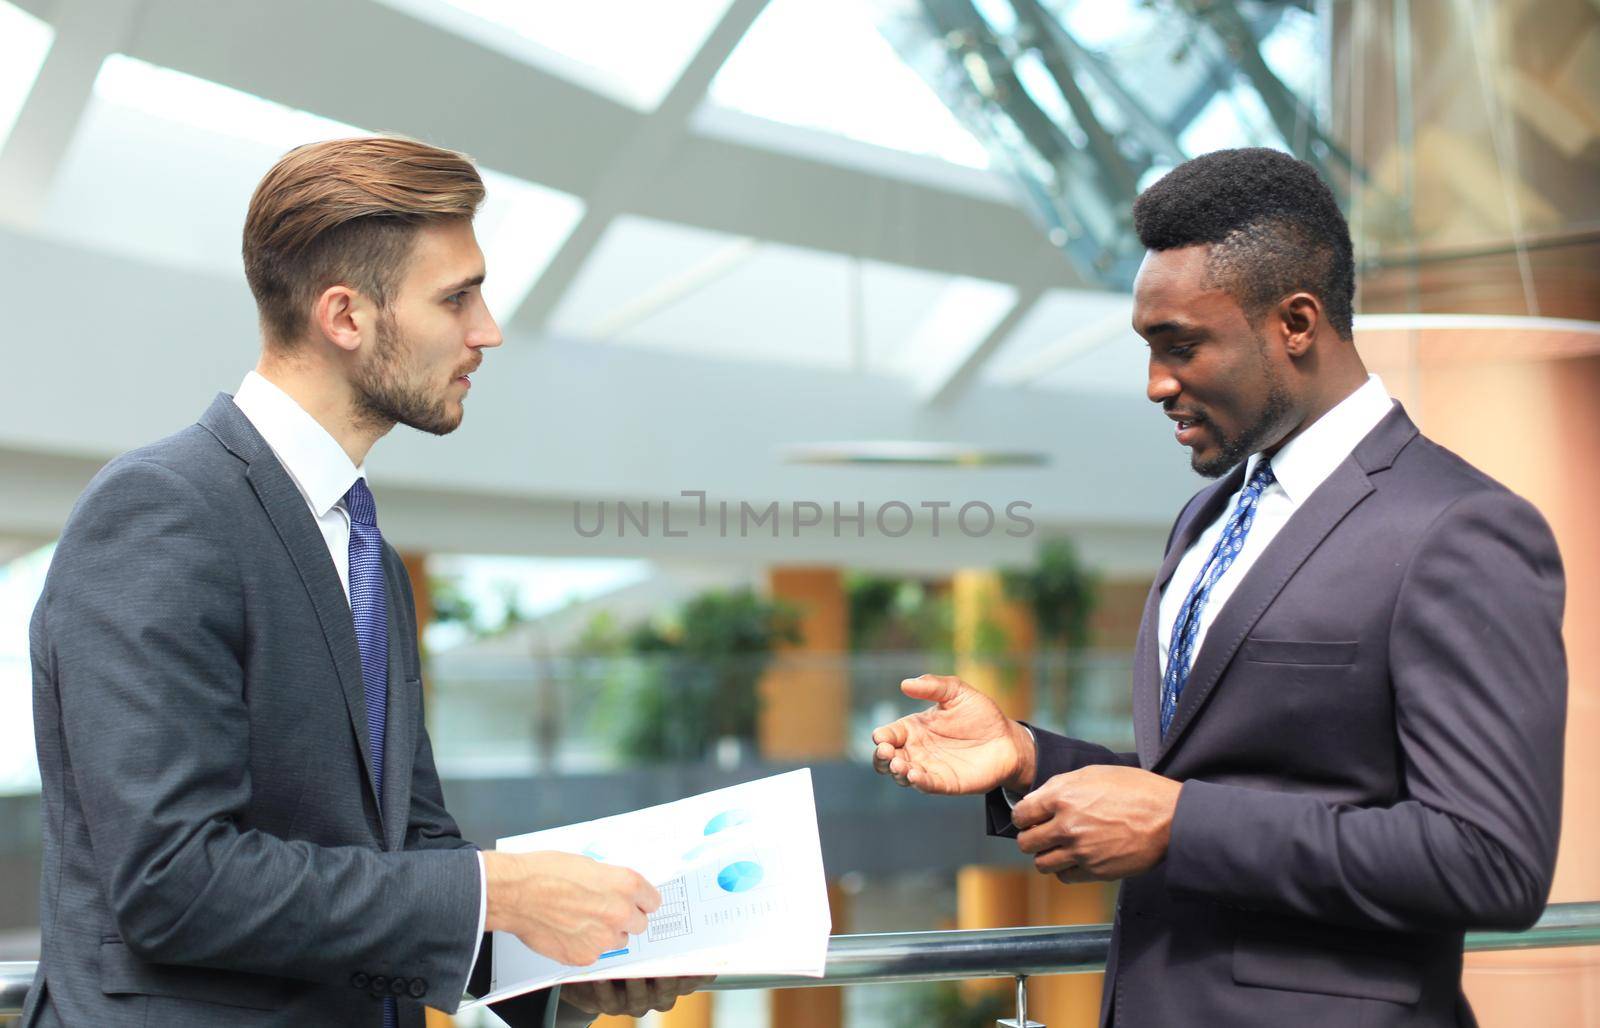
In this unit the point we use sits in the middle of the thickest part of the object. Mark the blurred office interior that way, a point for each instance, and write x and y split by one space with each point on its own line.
818 373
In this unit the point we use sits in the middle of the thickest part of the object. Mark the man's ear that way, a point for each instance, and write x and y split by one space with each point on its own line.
1299 315
341 315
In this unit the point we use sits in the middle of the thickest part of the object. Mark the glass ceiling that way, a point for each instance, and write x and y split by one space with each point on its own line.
24 43
682 290
1085 103
822 64
154 140
632 52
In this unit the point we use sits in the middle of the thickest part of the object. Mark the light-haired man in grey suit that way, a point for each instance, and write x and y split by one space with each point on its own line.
242 820
1349 685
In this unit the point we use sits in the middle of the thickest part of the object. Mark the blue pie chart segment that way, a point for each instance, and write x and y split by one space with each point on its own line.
740 876
725 820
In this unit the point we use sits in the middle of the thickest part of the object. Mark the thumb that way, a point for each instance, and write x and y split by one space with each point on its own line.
940 689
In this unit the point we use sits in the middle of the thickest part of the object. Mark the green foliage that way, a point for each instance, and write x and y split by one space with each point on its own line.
450 604
695 677
897 615
944 1005
1060 591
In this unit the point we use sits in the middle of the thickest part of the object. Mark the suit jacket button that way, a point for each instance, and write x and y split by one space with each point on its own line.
360 979
398 986
380 984
419 988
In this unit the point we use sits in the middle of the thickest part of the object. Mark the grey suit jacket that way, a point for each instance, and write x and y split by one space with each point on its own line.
214 849
1371 745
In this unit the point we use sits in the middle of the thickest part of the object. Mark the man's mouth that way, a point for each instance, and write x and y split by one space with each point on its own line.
1188 426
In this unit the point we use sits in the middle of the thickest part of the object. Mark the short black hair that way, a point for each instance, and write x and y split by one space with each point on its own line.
1274 227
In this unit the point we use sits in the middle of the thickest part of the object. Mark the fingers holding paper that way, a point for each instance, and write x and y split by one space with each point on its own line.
961 745
1098 823
566 907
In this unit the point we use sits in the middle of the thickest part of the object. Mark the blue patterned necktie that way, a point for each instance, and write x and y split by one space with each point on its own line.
1180 651
369 605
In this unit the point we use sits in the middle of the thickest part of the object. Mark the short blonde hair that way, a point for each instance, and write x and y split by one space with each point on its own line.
345 212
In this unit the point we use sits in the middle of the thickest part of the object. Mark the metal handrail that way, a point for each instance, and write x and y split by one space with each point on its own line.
899 957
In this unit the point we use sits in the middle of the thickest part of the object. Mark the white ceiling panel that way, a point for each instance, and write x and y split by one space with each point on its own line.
822 64
633 52
24 44
1074 340
665 286
163 166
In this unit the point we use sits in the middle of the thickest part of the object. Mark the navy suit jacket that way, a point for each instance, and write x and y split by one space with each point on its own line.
215 851
1370 743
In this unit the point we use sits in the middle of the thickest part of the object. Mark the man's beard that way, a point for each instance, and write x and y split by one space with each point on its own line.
390 391
1255 436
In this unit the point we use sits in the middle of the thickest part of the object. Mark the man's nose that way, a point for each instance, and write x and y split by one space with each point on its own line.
488 334
1161 386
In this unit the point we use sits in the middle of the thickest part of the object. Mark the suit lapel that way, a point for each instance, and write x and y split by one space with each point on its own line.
298 529
399 747
1147 680
1201 511
1323 510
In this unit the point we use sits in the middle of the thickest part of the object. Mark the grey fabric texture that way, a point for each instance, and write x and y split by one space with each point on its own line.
214 850
1371 749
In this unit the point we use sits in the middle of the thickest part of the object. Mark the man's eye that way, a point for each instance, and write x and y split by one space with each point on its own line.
457 298
1180 351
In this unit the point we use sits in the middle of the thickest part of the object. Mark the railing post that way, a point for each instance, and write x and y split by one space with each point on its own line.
1021 1020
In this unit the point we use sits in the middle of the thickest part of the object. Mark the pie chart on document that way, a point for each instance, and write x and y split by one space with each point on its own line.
740 876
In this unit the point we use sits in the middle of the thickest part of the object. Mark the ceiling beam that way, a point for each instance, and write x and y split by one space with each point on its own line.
86 31
527 122
634 162
946 381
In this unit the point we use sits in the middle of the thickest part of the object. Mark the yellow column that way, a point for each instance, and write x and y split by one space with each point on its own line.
689 1012
805 694
993 640
1067 1000
417 570
814 1008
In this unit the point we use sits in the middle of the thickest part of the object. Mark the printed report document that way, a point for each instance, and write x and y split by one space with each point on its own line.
741 881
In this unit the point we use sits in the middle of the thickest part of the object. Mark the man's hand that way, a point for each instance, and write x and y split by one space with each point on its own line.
566 907
961 745
633 997
1098 823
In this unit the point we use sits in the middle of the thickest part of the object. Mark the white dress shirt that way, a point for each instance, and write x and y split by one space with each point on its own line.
1303 463
323 473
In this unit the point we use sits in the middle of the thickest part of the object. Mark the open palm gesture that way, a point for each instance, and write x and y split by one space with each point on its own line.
962 744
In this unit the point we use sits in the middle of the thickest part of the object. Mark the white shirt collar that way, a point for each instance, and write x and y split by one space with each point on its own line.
1307 460
320 468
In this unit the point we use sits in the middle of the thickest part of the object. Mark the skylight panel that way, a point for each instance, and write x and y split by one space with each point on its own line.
210 107
633 52
164 165
24 43
822 64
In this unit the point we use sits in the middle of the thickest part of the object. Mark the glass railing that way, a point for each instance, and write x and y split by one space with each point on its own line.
514 716
910 957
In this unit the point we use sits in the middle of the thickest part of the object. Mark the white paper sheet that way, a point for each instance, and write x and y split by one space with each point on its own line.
741 881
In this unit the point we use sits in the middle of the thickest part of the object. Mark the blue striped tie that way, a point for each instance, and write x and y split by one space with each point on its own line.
1180 651
369 605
